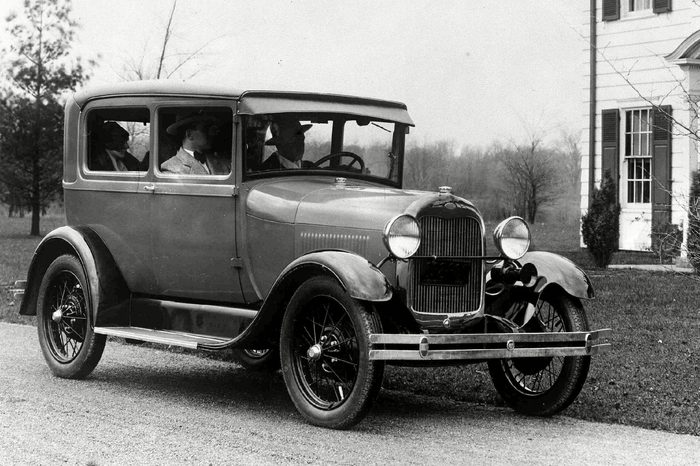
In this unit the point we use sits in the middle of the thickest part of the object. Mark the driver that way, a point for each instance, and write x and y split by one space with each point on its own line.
288 136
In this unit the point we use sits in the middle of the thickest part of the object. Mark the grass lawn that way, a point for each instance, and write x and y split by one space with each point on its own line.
651 378
16 250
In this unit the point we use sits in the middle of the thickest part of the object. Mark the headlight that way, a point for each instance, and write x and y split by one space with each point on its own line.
402 236
512 237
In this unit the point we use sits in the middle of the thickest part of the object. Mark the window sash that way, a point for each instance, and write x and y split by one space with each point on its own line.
638 139
638 5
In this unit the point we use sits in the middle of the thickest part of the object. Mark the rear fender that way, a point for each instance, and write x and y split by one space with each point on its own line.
107 291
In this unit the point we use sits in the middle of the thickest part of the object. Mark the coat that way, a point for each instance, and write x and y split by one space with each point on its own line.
102 162
183 163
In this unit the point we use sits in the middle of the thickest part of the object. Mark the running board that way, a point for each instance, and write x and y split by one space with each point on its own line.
164 337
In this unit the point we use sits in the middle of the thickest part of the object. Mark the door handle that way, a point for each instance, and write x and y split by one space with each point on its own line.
150 187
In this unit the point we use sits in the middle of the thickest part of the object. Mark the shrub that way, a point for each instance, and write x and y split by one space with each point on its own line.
666 240
600 227
694 223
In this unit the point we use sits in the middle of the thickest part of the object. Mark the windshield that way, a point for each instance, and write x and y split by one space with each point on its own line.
341 145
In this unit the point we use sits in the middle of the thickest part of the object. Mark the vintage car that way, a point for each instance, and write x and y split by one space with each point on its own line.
274 224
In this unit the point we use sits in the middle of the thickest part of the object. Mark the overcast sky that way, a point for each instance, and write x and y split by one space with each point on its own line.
472 72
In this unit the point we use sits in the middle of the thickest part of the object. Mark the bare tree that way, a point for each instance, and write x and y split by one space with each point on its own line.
531 176
167 62
569 146
430 165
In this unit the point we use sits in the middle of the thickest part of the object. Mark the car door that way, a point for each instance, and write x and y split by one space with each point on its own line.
193 214
108 194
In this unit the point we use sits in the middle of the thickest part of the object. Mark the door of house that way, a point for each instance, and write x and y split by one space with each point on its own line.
636 180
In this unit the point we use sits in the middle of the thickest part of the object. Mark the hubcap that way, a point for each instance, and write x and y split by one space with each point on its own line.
314 352
57 315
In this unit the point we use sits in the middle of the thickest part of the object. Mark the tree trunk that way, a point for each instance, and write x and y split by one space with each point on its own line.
36 203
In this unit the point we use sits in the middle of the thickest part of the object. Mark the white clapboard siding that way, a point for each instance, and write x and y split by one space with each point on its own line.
631 72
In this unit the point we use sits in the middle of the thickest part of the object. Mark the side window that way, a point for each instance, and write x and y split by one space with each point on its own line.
118 140
195 140
285 141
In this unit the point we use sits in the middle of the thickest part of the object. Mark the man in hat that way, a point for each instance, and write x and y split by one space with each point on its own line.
197 132
113 154
288 136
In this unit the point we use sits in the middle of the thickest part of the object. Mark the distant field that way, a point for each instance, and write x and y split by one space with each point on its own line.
16 249
650 379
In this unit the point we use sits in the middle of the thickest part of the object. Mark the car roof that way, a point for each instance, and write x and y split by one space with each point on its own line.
154 88
183 89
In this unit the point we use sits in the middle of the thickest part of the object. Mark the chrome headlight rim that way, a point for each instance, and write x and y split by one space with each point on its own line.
498 238
388 236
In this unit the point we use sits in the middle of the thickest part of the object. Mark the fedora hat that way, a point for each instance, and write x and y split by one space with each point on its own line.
186 119
284 129
110 128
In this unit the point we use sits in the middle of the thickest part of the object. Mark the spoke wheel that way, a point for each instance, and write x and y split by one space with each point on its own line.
544 386
69 345
264 360
325 357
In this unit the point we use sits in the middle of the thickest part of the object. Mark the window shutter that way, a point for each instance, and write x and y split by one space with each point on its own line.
611 10
662 6
611 146
661 166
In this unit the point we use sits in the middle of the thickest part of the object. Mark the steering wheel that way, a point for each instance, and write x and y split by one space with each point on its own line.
339 155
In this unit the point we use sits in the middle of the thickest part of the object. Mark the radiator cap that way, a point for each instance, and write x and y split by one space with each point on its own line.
445 189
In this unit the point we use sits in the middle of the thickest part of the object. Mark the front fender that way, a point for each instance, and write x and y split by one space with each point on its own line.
357 275
107 290
553 268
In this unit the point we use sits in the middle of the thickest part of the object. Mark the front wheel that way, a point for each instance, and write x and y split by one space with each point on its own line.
324 347
544 386
70 347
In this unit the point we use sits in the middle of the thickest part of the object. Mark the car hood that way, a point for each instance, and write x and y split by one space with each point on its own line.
320 202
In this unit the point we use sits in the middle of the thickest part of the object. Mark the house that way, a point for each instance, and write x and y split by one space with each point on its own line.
642 85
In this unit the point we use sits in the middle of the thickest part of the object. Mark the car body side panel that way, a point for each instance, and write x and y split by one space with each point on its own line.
193 242
120 218
298 215
270 248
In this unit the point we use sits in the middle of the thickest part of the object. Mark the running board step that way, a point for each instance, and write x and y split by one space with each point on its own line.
164 337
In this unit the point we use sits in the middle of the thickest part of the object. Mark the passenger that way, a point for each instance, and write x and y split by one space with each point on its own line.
113 155
197 132
288 136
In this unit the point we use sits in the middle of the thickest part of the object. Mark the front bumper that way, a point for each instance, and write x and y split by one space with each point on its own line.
481 346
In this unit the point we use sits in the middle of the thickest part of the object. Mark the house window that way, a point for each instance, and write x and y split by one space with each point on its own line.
639 5
638 130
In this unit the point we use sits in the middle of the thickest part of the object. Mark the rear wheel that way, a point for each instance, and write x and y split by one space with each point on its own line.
263 360
70 347
544 386
324 346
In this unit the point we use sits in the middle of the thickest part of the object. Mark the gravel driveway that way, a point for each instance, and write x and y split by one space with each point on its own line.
146 406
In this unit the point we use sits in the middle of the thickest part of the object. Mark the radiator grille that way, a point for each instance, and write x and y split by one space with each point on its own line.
443 294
